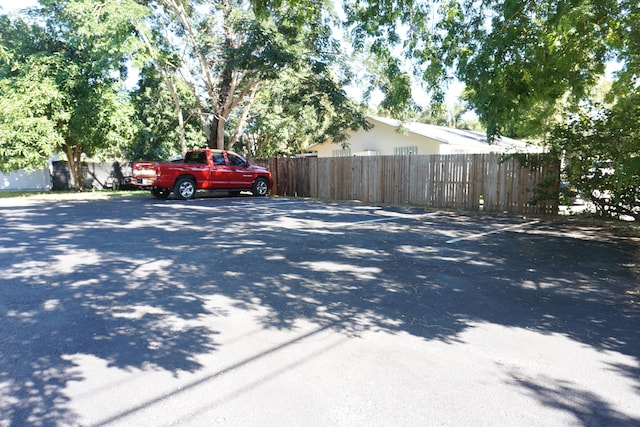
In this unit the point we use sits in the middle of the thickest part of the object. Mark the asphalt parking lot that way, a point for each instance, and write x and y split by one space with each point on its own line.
248 311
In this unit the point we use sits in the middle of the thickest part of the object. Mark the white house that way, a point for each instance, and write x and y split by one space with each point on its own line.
392 137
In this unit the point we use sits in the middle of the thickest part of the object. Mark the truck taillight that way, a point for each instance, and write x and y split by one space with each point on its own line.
157 170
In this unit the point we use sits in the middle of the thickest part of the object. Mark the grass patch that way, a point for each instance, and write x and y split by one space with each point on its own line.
98 194
21 193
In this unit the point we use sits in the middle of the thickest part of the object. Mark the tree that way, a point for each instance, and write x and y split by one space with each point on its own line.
439 115
78 49
96 39
300 108
229 53
163 130
231 59
601 150
532 72
529 69
166 63
30 99
517 59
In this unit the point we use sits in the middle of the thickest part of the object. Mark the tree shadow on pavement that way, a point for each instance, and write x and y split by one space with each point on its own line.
128 281
587 407
70 286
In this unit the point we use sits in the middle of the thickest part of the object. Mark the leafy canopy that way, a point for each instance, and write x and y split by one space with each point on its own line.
30 99
60 82
237 61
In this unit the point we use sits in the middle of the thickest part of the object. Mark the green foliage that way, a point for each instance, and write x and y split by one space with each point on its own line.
269 76
529 70
391 34
76 51
602 155
439 115
240 63
100 31
30 101
158 136
300 109
396 87
60 82
518 60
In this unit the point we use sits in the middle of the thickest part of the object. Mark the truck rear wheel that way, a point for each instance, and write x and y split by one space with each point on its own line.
184 188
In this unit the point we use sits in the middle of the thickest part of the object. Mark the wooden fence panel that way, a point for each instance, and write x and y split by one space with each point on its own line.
374 178
324 178
473 182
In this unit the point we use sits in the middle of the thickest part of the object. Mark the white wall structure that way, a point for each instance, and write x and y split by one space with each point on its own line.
21 180
391 137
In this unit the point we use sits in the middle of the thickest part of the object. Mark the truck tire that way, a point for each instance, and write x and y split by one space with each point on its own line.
184 188
260 187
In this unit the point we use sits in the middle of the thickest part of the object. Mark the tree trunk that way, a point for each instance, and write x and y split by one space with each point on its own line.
216 135
74 157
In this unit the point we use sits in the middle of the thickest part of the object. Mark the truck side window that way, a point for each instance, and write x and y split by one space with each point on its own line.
218 159
235 160
196 157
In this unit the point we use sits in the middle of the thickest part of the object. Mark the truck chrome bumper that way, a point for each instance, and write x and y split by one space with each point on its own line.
143 182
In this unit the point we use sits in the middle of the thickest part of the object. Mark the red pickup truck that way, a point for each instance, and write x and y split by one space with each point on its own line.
206 169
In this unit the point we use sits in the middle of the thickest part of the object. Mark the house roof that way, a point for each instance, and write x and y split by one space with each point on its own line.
459 137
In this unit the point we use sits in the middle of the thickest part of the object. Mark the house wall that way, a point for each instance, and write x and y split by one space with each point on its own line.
381 140
384 140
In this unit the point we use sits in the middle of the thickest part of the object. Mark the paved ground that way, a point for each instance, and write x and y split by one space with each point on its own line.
282 312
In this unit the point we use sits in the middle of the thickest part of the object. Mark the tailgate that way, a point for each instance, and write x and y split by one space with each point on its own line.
144 173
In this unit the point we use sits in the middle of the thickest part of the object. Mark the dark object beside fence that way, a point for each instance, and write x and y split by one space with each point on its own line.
98 176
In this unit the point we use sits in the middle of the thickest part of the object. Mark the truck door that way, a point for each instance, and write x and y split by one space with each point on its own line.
220 172
197 166
241 176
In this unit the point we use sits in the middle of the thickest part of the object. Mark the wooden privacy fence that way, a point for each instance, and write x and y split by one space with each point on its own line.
526 183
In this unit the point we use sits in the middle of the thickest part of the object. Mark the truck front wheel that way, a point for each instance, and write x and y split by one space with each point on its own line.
260 187
185 188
